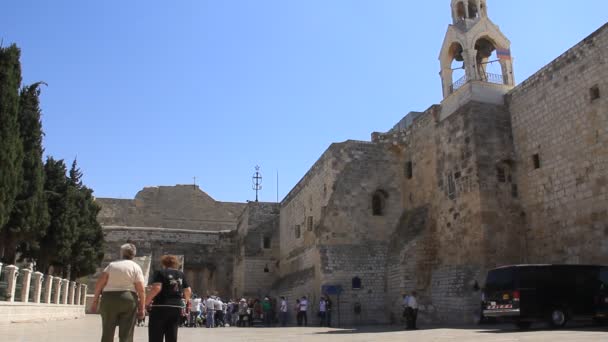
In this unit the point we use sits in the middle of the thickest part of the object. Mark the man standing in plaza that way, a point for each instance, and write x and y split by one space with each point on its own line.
412 308
283 312
328 307
210 304
303 313
322 311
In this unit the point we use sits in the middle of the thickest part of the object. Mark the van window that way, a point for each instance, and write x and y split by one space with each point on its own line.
501 279
533 277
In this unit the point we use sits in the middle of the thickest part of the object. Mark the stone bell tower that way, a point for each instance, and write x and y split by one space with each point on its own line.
478 43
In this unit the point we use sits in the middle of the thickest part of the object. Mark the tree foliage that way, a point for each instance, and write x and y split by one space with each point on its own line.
11 151
47 215
29 217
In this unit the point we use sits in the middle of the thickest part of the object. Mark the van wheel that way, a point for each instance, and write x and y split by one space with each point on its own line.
558 318
523 325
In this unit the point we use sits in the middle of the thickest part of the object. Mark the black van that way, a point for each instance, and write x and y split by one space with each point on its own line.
525 294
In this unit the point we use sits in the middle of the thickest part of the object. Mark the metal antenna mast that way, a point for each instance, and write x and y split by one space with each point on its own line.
257 181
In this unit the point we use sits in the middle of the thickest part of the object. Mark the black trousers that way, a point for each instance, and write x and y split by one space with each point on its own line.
302 318
163 324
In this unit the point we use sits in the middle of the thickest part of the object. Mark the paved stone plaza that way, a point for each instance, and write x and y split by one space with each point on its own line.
88 329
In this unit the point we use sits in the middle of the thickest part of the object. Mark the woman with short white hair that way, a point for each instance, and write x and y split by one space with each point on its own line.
121 287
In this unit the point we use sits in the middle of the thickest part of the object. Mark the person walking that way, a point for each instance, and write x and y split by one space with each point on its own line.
283 312
195 304
243 309
210 303
169 288
219 312
121 288
406 311
235 313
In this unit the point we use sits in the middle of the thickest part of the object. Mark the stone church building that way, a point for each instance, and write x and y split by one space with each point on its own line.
496 174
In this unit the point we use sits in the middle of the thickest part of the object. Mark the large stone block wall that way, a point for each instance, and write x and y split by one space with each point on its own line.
255 266
457 216
180 207
208 256
565 201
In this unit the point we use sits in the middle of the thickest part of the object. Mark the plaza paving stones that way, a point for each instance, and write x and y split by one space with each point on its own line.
88 329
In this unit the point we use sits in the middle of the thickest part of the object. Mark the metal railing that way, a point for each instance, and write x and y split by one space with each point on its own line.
24 285
485 77
462 81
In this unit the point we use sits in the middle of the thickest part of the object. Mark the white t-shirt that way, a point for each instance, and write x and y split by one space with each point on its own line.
122 275
210 303
283 306
303 304
322 306
412 302
218 305
195 304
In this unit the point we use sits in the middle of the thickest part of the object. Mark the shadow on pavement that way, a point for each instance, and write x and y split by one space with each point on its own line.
481 329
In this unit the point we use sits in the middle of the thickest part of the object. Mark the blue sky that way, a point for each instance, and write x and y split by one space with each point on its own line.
147 92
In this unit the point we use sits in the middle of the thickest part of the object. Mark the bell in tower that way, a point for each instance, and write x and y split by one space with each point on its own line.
476 63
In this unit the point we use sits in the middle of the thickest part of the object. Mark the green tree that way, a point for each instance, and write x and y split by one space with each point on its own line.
11 150
87 250
29 218
56 246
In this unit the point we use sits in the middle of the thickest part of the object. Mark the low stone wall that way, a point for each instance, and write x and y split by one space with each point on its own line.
16 312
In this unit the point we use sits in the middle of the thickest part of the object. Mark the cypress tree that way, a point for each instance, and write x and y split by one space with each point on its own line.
29 218
87 250
11 151
55 246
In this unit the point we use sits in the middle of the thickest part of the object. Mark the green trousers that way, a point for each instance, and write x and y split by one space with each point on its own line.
118 309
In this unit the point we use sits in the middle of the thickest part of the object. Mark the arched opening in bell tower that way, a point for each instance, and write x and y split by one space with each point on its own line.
461 12
473 10
457 64
488 66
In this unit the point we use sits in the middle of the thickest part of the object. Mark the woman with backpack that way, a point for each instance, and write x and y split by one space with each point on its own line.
169 287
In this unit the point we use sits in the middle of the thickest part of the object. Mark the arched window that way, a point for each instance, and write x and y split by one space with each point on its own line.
457 66
379 202
356 282
488 64
461 13
473 12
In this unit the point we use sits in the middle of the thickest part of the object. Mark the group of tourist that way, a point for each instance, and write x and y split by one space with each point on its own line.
212 311
122 298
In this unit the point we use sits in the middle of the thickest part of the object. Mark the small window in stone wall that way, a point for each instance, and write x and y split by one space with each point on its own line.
356 283
379 202
451 186
409 170
514 191
266 242
297 231
309 223
500 174
594 93
536 161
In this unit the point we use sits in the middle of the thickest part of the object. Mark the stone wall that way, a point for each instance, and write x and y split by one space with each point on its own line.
180 207
257 246
458 218
565 199
208 256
